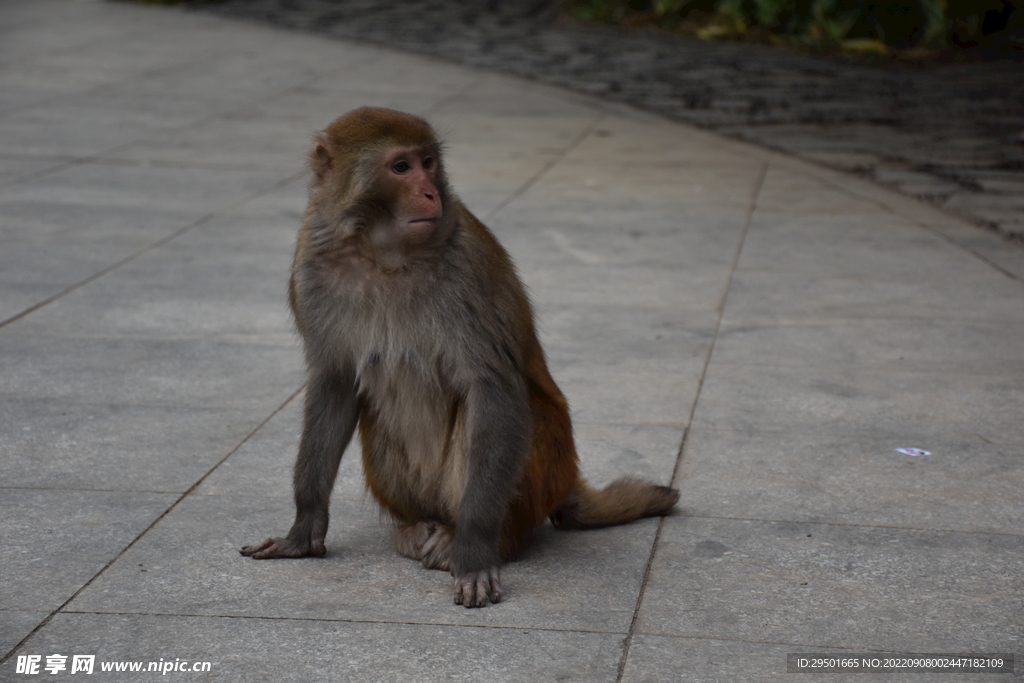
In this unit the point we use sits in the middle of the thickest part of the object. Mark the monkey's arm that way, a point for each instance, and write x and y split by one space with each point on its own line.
499 431
332 409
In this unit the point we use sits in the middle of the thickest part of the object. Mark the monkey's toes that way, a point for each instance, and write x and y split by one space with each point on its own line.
474 589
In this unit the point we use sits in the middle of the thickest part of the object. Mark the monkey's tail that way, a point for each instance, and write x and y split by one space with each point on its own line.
619 502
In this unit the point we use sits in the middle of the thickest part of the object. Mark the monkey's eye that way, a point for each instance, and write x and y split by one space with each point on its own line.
400 166
428 163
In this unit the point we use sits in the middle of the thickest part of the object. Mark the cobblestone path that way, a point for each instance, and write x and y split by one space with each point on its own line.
951 134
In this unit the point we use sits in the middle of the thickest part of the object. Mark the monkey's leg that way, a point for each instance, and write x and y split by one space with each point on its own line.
331 413
428 542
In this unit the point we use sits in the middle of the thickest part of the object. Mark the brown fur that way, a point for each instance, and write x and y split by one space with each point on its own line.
417 328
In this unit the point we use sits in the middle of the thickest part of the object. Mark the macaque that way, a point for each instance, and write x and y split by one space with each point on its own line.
418 331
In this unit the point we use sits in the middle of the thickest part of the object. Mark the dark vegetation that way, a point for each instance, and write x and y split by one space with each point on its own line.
902 28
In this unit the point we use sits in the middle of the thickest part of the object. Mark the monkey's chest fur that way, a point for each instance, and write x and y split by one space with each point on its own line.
413 435
412 425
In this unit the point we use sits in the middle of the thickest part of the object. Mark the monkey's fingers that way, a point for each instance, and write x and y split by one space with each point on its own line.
281 547
254 548
473 589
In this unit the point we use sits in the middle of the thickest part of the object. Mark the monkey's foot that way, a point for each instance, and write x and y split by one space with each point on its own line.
283 547
474 589
428 542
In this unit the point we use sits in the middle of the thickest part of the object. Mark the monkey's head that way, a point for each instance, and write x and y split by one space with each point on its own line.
378 172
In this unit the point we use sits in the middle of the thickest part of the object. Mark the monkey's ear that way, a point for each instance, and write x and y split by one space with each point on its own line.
320 158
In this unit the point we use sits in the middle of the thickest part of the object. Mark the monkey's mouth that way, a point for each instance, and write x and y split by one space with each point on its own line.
424 222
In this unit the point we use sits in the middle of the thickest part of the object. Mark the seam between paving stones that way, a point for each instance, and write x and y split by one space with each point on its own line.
152 524
752 207
259 617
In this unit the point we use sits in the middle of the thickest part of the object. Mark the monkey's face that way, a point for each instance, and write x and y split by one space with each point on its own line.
411 175
410 200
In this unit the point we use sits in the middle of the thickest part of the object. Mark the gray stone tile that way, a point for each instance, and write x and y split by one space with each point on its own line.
61 229
28 133
807 195
14 169
610 451
41 227
387 71
193 567
857 162
114 447
965 484
993 249
262 466
686 238
774 295
283 207
70 71
972 201
533 104
243 141
15 624
315 104
18 96
603 186
188 193
630 393
121 109
835 586
195 373
638 140
650 287
231 83
30 273
654 659
55 541
614 336
46 243
851 401
870 244
17 298
875 344
367 652
224 280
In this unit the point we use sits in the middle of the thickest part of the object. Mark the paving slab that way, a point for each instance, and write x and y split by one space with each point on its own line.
261 467
16 624
290 649
656 659
909 344
114 446
56 540
859 402
964 483
193 567
837 586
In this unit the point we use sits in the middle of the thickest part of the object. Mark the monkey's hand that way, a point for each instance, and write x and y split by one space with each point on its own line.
473 589
284 547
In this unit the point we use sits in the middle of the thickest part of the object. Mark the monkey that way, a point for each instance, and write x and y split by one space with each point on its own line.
418 332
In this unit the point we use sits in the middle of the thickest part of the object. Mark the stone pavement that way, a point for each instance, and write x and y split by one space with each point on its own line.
951 134
761 331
